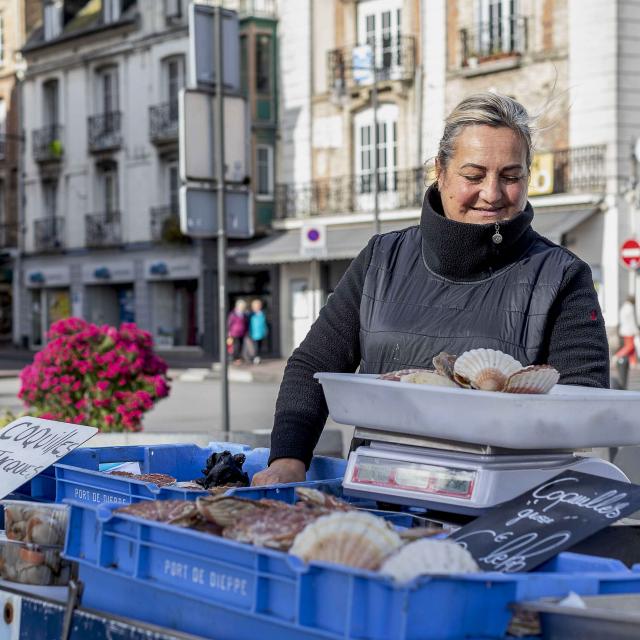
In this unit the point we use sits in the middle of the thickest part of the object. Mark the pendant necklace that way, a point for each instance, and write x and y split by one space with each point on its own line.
497 236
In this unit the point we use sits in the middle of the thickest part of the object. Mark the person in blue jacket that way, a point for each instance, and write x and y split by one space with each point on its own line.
257 328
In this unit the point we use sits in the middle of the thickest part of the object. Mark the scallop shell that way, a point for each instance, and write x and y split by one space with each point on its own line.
535 379
428 557
428 377
354 538
485 369
225 510
443 363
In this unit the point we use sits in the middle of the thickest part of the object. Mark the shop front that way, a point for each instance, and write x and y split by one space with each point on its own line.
109 292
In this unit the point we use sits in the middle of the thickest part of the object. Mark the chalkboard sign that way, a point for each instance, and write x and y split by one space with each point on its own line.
524 532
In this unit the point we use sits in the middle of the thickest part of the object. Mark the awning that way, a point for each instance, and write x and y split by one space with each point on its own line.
344 242
553 224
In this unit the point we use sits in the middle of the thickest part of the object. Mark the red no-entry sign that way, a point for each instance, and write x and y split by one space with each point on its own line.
630 253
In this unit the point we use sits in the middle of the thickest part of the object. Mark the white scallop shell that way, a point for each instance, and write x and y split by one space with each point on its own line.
485 369
428 377
535 379
353 538
428 557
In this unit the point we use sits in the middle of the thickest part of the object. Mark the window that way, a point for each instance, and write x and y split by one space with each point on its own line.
497 27
112 10
173 183
3 117
173 78
50 198
172 8
107 98
52 19
50 102
264 170
2 39
379 26
108 200
263 64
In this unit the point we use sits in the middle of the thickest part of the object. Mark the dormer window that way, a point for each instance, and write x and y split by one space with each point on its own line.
52 19
112 11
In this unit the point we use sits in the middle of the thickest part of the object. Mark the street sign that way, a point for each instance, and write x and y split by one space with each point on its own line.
630 254
313 240
199 212
203 47
196 114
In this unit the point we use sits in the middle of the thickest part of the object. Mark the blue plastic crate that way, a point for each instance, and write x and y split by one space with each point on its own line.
219 588
86 483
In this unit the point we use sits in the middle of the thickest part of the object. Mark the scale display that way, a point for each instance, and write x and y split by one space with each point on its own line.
413 476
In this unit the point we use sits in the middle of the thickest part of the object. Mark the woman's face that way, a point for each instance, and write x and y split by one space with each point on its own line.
486 179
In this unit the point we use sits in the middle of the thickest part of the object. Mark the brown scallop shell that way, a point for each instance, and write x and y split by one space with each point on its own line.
535 379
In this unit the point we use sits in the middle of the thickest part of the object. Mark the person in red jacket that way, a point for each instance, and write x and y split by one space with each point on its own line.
237 327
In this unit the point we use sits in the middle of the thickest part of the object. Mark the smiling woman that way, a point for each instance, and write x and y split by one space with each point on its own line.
473 274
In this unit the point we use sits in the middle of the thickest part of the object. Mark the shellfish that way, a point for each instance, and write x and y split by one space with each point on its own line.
485 369
428 377
535 379
444 363
428 557
355 539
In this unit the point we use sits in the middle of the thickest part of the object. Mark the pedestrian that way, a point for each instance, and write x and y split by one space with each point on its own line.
474 273
257 328
237 327
628 331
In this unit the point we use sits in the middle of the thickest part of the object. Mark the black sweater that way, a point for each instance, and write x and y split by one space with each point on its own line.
576 344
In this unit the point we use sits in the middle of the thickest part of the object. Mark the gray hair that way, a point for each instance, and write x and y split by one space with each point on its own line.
485 108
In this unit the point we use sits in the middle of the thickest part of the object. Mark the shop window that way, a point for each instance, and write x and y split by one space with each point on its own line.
264 169
263 64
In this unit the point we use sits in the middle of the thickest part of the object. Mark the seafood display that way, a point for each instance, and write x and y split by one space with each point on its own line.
482 369
222 471
35 534
428 557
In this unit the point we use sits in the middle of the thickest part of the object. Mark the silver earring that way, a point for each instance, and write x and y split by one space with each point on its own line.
497 236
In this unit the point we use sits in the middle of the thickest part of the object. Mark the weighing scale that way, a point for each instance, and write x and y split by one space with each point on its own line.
499 445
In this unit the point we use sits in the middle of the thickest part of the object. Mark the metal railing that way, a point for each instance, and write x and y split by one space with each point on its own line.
163 122
165 225
103 229
579 169
48 234
494 40
47 143
402 189
391 58
105 131
8 235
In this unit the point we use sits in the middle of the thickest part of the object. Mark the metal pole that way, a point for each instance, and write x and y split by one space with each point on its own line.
374 105
222 237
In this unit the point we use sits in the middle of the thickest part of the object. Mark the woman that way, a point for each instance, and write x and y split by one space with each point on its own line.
628 330
472 274
237 327
257 328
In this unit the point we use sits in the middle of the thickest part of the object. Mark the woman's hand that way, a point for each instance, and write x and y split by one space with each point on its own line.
280 471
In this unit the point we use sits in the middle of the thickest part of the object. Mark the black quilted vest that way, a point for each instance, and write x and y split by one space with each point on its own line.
445 286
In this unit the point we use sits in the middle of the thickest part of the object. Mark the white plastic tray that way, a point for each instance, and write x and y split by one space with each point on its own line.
569 417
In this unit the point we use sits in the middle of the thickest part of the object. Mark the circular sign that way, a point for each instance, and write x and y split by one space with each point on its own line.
630 253
313 235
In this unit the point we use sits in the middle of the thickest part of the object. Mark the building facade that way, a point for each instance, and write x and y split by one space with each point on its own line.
101 171
415 60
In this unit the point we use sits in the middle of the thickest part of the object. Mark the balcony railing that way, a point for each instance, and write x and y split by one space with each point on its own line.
47 144
163 122
390 58
495 40
105 131
103 229
579 169
350 194
165 225
8 235
49 234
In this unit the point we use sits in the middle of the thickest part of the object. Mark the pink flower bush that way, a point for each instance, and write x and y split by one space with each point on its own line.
100 376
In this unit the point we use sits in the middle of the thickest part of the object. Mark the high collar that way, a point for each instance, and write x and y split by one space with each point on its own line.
464 251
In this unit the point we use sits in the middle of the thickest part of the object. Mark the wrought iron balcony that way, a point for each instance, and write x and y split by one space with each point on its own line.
8 235
163 123
103 229
47 144
165 225
48 234
579 169
257 8
489 42
390 58
351 194
105 131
